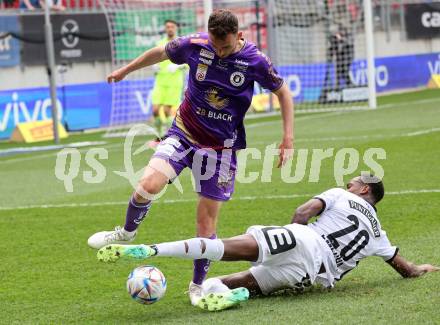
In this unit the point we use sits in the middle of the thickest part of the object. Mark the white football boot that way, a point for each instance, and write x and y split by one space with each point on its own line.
195 293
117 236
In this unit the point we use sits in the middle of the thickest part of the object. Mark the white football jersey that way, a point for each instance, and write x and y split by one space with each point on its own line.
350 227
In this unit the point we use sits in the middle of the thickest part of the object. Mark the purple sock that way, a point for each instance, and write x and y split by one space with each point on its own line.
136 212
201 267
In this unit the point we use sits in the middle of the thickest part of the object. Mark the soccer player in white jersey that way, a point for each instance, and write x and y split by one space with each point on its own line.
295 255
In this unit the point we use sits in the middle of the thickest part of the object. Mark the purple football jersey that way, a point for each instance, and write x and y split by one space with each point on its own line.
219 91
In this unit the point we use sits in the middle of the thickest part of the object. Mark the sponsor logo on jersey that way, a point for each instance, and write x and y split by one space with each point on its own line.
214 115
237 79
373 221
199 41
205 61
222 64
241 65
241 62
202 69
214 100
207 54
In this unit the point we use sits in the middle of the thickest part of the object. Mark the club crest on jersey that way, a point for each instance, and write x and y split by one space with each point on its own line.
207 54
237 79
202 69
215 100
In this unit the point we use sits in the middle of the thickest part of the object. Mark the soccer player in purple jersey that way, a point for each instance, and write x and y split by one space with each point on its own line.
209 124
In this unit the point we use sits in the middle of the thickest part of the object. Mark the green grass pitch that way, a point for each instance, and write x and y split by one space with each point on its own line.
49 275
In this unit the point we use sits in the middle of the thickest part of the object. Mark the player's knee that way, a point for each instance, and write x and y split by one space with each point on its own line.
139 198
150 185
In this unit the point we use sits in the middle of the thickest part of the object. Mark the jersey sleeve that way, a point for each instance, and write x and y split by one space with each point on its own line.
179 49
329 197
384 248
266 74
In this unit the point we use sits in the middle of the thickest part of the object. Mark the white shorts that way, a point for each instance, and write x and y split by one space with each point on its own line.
288 256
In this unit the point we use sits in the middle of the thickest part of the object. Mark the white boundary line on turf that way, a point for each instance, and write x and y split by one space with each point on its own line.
342 109
111 145
300 118
300 140
240 198
24 150
53 154
329 112
421 132
359 137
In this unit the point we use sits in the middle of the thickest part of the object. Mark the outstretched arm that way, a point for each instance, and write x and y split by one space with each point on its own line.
150 57
287 113
410 270
310 209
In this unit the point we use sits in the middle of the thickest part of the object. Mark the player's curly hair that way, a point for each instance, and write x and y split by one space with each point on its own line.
376 186
221 23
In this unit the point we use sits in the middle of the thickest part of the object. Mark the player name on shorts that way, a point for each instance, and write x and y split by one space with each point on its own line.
214 115
365 212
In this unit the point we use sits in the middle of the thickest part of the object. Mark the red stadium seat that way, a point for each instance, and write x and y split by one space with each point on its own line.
80 3
9 4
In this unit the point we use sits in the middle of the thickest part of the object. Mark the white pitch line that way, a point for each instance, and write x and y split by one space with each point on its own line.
358 137
421 132
54 153
253 125
20 159
300 118
173 201
324 139
404 192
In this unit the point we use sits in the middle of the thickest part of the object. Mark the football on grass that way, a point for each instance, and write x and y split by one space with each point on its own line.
146 284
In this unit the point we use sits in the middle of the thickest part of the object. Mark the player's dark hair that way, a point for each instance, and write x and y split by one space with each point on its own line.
171 21
375 184
221 23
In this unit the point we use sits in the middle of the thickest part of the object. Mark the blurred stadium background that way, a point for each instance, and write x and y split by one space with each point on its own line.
92 37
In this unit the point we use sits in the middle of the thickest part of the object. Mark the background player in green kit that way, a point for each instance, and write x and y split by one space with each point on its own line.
168 85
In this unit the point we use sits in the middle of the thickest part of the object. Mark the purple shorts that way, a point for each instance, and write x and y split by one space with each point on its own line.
213 170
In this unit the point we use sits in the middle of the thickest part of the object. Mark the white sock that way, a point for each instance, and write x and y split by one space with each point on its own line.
214 285
128 233
194 248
